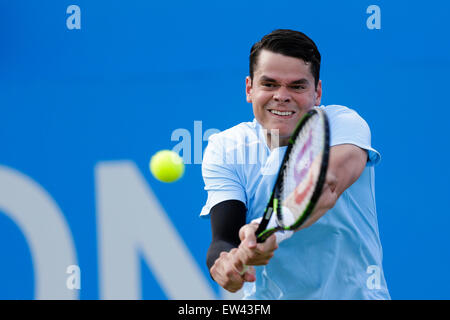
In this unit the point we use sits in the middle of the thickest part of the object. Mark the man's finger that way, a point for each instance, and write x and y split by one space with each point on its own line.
247 235
269 245
249 275
238 265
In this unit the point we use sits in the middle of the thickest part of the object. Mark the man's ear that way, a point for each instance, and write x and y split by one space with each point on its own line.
318 93
248 89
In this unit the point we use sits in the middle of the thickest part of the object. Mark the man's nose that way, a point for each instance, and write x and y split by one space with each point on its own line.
282 95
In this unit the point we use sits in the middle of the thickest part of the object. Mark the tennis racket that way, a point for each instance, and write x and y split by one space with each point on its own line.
301 175
300 178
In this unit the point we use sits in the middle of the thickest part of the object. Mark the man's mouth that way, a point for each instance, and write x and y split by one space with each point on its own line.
282 114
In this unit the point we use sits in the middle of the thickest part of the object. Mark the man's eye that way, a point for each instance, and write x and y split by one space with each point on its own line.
297 87
268 85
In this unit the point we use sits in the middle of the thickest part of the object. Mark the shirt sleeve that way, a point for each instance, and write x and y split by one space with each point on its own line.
221 179
348 127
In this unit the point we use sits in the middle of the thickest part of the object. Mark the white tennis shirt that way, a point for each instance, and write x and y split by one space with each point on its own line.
339 256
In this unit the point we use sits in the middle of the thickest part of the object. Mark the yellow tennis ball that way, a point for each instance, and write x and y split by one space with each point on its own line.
167 166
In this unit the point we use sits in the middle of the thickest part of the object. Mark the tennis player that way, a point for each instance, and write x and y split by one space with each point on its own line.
337 253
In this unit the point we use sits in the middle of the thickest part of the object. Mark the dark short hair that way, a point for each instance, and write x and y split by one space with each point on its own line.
289 43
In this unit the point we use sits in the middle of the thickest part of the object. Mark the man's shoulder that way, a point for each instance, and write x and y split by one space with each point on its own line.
342 116
348 127
335 110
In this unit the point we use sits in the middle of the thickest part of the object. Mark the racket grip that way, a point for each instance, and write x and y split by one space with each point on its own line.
244 270
261 233
261 237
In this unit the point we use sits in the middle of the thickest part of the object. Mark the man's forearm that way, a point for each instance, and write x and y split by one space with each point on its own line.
346 165
226 219
326 201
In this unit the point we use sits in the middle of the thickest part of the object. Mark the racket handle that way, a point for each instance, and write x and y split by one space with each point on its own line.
244 270
261 237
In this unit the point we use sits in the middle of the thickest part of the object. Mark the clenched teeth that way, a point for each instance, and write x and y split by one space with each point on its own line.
286 113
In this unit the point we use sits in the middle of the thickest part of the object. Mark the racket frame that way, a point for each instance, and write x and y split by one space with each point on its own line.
272 207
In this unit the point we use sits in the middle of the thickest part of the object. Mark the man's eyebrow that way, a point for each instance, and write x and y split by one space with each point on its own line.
299 81
265 78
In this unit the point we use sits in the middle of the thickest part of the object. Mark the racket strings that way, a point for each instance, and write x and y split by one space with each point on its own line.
302 171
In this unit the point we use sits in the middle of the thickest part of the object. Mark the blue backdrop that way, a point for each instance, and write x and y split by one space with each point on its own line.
89 93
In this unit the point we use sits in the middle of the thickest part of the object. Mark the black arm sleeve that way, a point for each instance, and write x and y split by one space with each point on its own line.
227 218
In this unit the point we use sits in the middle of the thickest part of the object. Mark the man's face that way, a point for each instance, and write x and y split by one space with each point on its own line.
281 92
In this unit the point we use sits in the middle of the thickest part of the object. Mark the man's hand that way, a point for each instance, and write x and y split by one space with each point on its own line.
227 269
252 253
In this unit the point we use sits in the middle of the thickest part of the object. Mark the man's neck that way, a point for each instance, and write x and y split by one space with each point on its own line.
275 141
